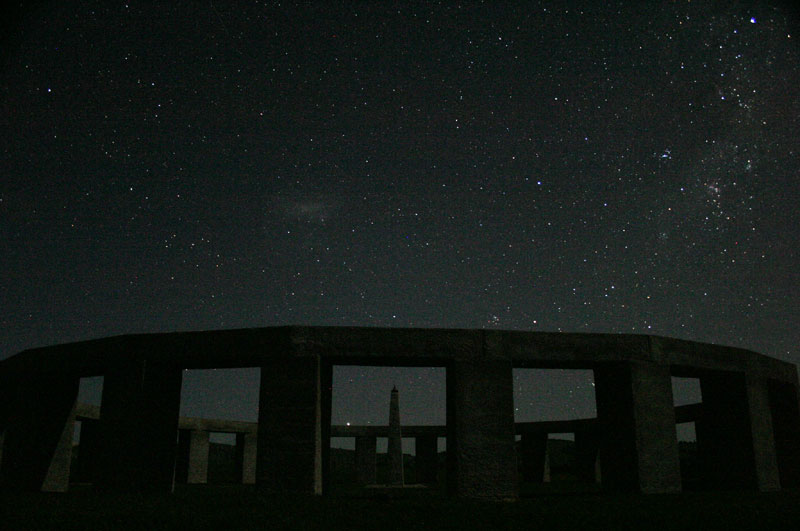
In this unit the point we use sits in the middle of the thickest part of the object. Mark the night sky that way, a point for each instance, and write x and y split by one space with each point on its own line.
620 168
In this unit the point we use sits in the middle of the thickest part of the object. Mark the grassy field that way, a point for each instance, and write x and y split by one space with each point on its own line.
236 507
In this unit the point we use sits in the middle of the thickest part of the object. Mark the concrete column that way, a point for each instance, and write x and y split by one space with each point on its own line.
37 447
246 444
289 456
766 461
427 459
182 457
481 460
725 434
198 457
87 452
783 400
533 451
395 446
547 467
586 448
365 460
326 390
8 391
636 416
139 426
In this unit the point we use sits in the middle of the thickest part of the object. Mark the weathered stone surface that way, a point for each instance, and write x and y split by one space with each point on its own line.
139 425
427 459
760 416
8 391
192 460
246 448
198 457
533 452
748 425
326 396
182 457
724 436
37 445
365 460
289 456
395 447
394 346
638 443
587 446
87 453
481 460
785 410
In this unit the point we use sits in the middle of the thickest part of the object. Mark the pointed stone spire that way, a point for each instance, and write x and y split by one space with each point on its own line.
395 440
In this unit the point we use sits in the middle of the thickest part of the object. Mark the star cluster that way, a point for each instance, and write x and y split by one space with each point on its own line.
535 166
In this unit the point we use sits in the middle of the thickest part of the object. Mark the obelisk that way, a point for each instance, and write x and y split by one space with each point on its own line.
395 441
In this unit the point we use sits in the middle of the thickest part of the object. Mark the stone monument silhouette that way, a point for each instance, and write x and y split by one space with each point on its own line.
747 424
395 451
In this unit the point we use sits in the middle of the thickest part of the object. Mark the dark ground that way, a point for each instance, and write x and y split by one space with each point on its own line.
236 507
563 504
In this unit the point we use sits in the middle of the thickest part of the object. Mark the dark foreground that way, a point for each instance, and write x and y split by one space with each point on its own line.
234 507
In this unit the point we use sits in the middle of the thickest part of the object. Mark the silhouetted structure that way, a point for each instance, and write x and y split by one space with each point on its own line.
748 425
395 449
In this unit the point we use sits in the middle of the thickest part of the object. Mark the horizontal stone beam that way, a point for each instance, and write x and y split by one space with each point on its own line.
555 426
89 411
217 425
383 431
396 347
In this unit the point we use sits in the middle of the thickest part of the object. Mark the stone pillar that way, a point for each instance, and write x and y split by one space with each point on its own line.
246 444
586 448
395 448
8 391
533 451
289 455
427 459
547 467
724 439
198 457
326 390
734 437
481 460
766 462
783 401
365 460
87 451
182 457
37 447
139 426
636 416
